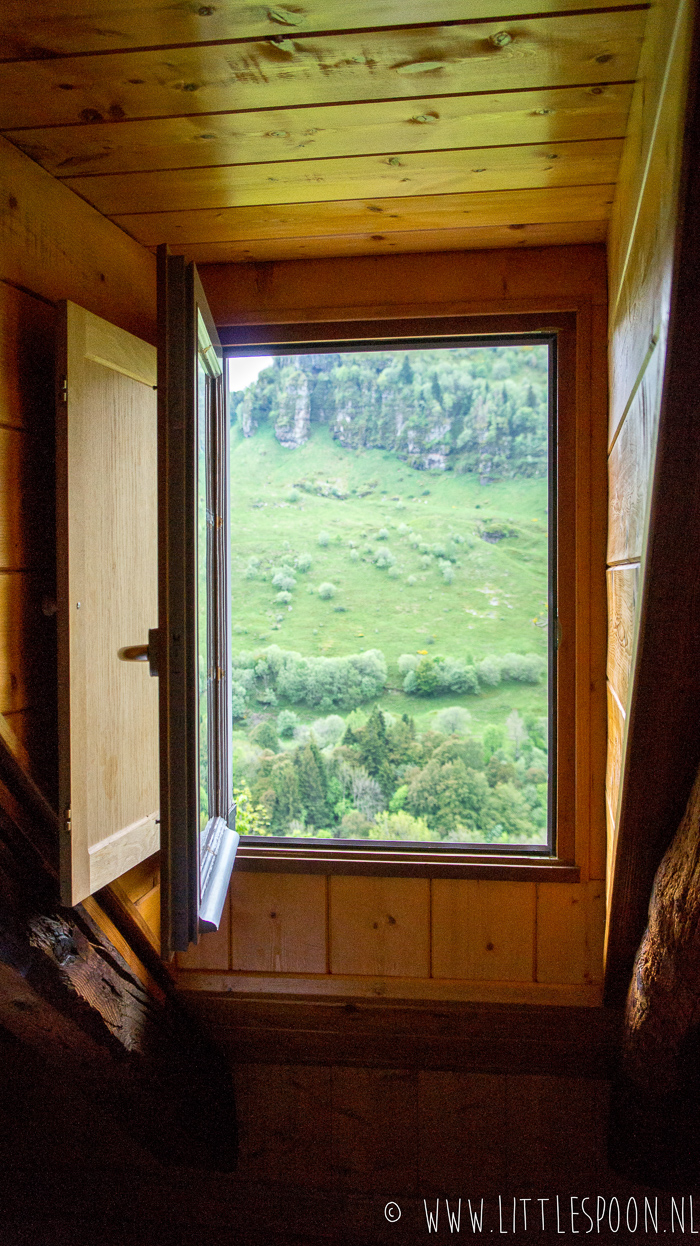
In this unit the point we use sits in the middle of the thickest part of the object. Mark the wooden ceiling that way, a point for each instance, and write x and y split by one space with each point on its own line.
240 131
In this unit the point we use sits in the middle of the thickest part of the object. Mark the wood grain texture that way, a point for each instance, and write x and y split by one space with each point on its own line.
353 177
334 68
391 286
285 1123
26 365
544 1146
141 879
483 931
630 467
271 225
474 1038
430 123
623 584
453 1154
59 247
371 987
570 930
213 950
644 214
616 733
108 533
375 1120
398 242
278 923
42 30
25 635
596 695
380 926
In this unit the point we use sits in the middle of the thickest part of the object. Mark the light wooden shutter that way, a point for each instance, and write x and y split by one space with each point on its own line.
107 599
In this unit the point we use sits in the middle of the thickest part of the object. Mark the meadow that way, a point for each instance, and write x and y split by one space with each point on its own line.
341 508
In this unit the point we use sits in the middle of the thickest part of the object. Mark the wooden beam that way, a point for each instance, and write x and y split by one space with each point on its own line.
586 48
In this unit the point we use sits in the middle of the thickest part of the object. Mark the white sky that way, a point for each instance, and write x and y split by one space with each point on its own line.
243 371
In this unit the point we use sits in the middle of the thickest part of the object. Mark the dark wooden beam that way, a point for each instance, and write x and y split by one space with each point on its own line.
663 737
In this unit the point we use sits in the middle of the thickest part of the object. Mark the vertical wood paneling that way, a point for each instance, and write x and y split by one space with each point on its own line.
554 1139
483 930
285 1123
380 926
622 601
278 923
26 360
616 731
570 929
375 1129
630 466
212 950
644 212
461 1127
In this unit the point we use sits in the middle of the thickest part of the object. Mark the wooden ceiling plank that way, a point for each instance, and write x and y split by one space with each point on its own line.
413 173
40 29
477 210
432 123
548 51
459 239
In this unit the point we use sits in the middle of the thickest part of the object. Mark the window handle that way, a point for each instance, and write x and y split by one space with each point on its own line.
143 653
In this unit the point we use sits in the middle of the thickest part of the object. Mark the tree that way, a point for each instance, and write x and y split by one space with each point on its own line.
426 677
313 785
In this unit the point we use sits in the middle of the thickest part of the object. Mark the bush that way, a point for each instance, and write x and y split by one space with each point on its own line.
407 662
393 572
453 721
411 580
326 590
303 562
287 720
448 573
400 825
265 736
328 730
523 668
293 495
384 558
324 538
383 534
283 598
489 672
284 580
354 555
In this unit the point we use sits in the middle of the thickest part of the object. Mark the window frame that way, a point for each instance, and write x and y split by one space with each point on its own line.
574 622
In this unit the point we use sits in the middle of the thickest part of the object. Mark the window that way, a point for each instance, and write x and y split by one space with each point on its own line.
442 757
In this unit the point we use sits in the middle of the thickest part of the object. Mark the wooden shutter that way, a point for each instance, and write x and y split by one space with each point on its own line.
107 599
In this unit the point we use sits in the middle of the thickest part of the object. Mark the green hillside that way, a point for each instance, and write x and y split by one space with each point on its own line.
436 567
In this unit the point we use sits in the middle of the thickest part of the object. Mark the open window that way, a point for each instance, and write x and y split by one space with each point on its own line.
143 522
398 613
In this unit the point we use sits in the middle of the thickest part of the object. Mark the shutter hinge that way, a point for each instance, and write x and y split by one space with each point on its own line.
64 389
68 821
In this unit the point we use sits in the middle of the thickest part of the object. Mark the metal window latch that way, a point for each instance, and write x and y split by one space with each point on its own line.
143 653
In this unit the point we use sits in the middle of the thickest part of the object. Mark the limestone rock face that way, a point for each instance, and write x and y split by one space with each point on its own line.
248 422
294 417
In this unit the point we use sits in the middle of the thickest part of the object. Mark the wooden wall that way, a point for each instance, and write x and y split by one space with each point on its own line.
411 937
640 267
52 246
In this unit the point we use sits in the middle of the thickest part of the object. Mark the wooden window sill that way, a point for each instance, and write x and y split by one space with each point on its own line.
278 855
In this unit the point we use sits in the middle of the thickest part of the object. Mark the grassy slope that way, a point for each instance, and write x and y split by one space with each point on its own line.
498 589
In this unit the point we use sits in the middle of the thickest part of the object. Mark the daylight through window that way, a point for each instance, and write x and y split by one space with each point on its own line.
393 593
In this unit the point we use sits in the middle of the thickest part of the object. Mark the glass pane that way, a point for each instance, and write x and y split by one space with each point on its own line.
390 594
204 524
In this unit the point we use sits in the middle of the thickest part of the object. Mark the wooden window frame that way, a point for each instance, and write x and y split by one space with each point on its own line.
581 510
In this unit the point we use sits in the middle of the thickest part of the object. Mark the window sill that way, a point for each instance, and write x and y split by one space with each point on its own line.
277 855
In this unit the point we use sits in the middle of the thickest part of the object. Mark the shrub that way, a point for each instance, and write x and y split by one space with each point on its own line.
383 534
324 538
284 580
287 720
448 573
393 572
525 668
411 580
283 598
400 825
293 495
328 730
265 736
354 555
326 590
303 562
384 558
489 672
453 721
407 662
